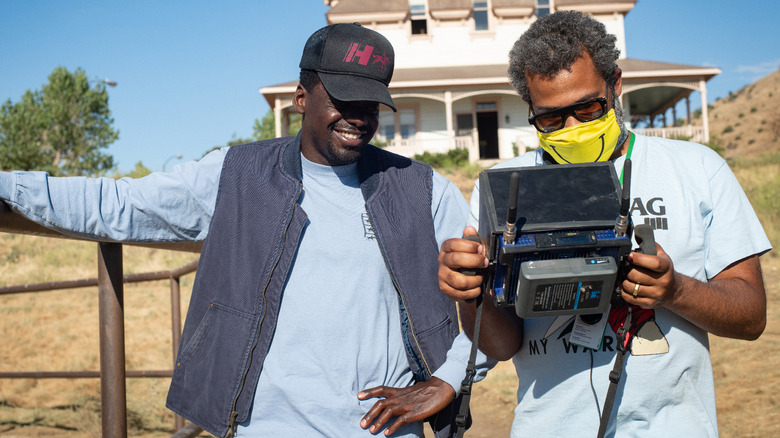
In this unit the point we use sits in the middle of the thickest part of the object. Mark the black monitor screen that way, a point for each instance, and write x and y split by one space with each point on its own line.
554 197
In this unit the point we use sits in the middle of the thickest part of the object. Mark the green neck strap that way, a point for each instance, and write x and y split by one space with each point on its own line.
631 137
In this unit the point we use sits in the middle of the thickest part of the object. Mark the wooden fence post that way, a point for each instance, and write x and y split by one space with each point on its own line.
112 340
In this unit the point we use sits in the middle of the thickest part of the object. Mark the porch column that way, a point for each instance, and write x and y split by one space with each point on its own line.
674 116
688 109
704 112
278 117
448 117
285 122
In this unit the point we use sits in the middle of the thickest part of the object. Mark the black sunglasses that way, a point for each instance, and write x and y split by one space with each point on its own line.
556 119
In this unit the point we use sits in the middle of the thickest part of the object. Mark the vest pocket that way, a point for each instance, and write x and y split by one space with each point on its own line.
441 326
220 329
436 341
209 369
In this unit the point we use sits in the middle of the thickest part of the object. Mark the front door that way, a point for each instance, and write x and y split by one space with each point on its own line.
487 128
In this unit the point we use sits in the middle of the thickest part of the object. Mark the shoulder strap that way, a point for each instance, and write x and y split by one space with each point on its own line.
614 375
461 421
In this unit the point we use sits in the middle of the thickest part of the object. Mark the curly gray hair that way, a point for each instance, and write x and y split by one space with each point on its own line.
555 42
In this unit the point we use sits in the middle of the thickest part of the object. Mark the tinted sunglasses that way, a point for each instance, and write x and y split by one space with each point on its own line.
556 119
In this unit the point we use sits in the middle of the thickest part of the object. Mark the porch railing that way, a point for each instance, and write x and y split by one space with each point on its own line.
689 132
411 147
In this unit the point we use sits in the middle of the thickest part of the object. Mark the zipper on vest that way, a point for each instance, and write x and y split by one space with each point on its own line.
400 294
232 425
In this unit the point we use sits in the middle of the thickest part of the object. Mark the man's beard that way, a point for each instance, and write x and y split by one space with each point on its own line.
344 156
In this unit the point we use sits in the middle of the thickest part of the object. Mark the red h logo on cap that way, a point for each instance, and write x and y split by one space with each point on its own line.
363 56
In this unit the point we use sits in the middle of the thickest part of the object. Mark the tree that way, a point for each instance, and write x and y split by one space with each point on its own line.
60 129
266 129
140 171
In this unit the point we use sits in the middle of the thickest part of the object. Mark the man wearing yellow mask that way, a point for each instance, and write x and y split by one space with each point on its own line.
705 278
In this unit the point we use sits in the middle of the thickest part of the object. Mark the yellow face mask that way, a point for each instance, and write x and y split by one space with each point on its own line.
583 143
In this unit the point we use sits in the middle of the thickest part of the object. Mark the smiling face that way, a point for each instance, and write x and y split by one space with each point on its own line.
333 132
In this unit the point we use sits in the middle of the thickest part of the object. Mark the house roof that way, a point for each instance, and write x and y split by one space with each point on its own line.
456 75
353 6
596 6
653 84
450 9
349 11
515 3
641 68
449 4
392 10
560 3
656 86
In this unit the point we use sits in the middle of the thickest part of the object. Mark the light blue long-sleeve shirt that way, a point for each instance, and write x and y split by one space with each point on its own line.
178 206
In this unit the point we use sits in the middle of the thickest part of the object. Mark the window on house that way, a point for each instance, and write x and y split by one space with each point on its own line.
542 8
407 120
465 124
418 17
386 129
397 126
480 15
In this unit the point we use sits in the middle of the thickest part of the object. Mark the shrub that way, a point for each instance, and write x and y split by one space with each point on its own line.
451 158
715 145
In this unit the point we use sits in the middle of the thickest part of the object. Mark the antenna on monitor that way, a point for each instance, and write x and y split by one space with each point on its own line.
510 232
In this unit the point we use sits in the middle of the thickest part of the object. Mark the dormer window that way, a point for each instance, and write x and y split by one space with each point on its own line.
542 8
480 15
419 17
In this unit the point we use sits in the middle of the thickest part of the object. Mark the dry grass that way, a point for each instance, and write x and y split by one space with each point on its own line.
58 331
746 123
747 379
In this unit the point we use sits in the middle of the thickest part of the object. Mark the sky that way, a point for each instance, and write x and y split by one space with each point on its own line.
188 72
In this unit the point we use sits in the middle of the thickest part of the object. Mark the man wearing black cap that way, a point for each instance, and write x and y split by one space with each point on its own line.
316 293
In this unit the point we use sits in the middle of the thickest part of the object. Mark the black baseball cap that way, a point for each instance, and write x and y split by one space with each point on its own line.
354 63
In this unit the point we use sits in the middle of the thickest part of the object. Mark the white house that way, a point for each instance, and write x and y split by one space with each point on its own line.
450 84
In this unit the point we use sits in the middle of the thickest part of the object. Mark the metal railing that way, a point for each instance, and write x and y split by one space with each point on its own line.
690 132
110 283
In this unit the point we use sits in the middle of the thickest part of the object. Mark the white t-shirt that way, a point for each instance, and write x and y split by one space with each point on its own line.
704 221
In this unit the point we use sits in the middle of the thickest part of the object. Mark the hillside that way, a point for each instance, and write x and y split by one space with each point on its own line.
746 123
